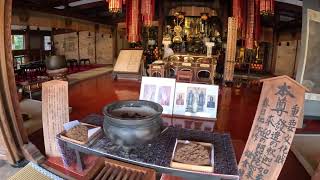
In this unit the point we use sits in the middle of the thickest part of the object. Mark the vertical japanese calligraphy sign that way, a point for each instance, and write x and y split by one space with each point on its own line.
279 111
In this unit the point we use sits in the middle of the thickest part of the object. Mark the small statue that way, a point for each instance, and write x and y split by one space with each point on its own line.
201 102
190 100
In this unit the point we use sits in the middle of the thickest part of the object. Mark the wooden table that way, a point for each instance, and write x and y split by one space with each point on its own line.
157 154
33 86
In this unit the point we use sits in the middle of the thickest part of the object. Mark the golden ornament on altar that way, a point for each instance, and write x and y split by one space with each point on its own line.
177 29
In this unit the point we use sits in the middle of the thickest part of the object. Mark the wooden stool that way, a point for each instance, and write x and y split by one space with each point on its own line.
84 61
71 63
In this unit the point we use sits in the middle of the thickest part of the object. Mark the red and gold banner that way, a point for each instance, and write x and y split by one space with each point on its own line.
133 10
237 12
267 7
257 24
147 12
115 6
250 24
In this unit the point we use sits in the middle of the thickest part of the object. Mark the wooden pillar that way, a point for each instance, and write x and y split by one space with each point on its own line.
161 23
96 28
27 44
41 43
53 49
275 40
55 113
115 43
78 35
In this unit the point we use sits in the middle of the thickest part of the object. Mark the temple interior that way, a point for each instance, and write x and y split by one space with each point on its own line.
160 89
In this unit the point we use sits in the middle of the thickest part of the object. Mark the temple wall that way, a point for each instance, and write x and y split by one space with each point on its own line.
84 41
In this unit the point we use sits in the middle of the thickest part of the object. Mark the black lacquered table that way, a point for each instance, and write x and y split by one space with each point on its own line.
157 154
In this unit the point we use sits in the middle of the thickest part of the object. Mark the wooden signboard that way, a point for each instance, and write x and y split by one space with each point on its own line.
55 113
279 110
128 62
231 50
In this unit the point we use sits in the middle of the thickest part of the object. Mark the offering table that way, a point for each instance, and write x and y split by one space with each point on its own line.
157 154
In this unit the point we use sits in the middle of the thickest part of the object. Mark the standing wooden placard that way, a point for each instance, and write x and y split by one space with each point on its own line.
129 64
231 50
55 112
128 61
279 110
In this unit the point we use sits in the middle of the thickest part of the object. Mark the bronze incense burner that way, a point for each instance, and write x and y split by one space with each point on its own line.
132 123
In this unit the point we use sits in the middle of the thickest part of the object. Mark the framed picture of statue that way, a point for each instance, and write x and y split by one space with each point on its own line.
196 100
159 90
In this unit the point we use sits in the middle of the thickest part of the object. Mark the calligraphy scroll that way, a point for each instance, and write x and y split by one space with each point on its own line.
279 111
55 112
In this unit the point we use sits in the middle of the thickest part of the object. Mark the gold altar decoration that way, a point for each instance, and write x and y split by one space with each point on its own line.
115 6
201 68
204 16
231 50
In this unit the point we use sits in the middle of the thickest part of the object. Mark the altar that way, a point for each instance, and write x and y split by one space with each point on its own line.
186 68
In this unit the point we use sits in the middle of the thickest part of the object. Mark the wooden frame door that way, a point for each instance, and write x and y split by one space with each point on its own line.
14 144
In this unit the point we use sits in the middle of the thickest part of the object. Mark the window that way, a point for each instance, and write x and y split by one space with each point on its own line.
17 42
47 43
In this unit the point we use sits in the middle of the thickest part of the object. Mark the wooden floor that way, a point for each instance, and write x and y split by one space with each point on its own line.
235 114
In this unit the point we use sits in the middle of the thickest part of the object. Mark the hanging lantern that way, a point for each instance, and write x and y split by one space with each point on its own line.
147 12
115 6
267 7
133 20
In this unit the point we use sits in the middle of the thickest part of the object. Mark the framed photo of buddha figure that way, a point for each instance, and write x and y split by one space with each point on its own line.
159 90
196 100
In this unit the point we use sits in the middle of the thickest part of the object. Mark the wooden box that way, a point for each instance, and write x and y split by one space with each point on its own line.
191 167
92 137
112 169
196 123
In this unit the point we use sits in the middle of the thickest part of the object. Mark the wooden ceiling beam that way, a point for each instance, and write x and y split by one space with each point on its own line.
65 12
100 4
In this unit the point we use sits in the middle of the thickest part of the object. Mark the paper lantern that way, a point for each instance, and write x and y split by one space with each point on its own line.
147 12
115 6
267 7
133 11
